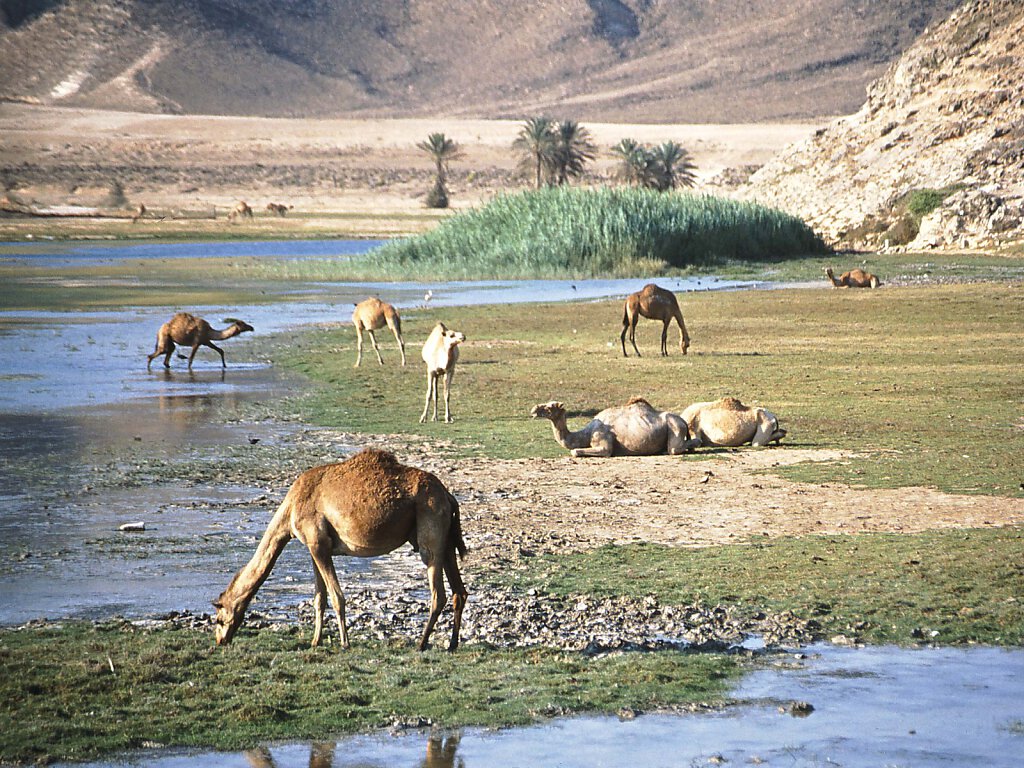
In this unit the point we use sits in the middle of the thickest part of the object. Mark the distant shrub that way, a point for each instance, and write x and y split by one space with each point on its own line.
920 202
573 232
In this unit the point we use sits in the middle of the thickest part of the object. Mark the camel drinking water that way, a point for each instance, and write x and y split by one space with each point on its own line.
855 278
371 315
633 429
440 353
653 303
366 506
191 331
242 210
728 422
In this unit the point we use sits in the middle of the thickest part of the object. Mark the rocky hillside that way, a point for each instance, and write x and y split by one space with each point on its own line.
598 60
934 157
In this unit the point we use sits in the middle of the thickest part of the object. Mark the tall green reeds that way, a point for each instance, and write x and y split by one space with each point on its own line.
573 232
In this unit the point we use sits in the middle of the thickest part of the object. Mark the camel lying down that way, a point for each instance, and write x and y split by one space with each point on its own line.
633 429
728 422
366 506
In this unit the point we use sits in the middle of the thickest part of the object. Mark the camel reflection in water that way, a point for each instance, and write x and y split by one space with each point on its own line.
441 753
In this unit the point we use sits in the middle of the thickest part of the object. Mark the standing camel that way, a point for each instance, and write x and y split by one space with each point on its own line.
440 353
366 506
656 304
371 315
279 208
241 210
855 278
191 331
140 211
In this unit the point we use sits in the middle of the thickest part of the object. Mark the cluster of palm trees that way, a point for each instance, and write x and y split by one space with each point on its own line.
552 152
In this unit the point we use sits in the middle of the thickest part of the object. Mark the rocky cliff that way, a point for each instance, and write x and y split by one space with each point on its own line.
934 157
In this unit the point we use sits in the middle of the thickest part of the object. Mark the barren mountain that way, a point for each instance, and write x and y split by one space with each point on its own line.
934 157
631 61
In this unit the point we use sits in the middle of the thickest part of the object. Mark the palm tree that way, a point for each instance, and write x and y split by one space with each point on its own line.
573 151
537 144
442 150
673 167
636 164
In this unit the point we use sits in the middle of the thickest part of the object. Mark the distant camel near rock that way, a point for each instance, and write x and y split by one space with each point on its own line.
366 506
241 210
279 208
633 429
656 304
855 278
440 353
728 422
140 211
371 315
191 331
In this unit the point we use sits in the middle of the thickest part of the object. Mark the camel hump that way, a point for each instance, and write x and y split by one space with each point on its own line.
374 456
639 401
732 404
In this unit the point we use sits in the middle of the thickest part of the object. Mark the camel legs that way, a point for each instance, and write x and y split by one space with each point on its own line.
435 575
321 552
431 392
664 339
161 350
223 363
447 395
319 600
373 341
602 445
398 338
459 596
630 326
679 440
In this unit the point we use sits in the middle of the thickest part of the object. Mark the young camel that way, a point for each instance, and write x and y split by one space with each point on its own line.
366 506
855 278
633 429
440 353
241 210
728 422
653 303
191 331
279 208
372 315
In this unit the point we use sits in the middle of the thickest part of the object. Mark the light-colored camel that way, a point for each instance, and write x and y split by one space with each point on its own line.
366 506
140 211
656 304
241 210
728 422
279 208
440 353
191 331
371 315
633 429
855 278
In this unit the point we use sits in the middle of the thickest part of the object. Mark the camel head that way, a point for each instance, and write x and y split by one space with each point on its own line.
451 338
227 620
553 410
240 324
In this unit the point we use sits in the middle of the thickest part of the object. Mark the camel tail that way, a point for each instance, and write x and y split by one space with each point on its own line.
456 529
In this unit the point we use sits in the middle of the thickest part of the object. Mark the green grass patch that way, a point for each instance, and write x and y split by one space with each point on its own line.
948 587
924 382
574 232
81 691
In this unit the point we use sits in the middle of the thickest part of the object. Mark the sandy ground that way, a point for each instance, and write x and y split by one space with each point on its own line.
201 165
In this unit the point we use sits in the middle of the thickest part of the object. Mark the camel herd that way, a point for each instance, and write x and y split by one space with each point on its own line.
371 504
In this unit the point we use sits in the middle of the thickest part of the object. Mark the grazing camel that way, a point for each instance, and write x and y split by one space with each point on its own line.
140 211
633 429
191 331
279 208
440 353
366 506
855 278
371 315
656 304
728 422
241 210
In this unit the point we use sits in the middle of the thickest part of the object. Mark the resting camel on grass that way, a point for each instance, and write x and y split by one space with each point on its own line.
241 210
656 304
728 422
279 208
855 278
440 353
191 331
371 315
366 506
633 429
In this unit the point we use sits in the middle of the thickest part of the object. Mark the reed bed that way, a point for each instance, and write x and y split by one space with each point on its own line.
607 232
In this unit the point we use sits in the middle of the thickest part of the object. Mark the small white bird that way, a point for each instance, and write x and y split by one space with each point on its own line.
427 297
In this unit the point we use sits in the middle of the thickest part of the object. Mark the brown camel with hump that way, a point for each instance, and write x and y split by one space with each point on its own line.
242 209
366 506
191 331
371 315
654 303
855 278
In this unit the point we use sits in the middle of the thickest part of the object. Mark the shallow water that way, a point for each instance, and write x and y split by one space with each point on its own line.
873 707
